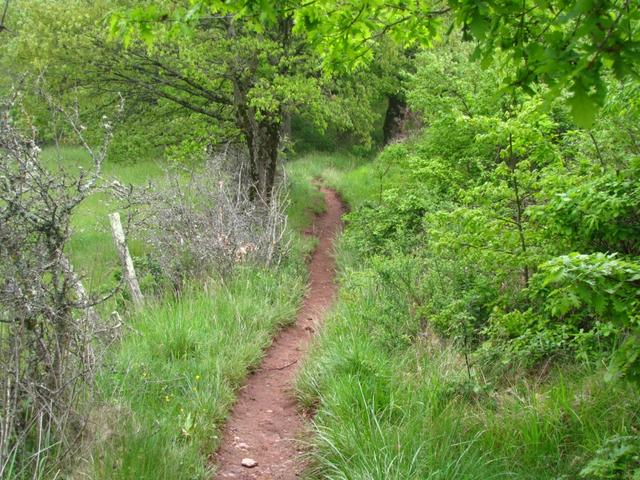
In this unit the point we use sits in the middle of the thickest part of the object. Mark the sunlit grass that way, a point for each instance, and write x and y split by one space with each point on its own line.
91 247
168 386
337 171
389 405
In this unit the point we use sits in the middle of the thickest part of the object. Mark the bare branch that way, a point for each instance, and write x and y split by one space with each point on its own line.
4 16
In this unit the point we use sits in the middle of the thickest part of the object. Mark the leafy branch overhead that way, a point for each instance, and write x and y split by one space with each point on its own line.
566 45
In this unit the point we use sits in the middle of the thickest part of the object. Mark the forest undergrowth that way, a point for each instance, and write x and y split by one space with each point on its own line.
487 323
489 291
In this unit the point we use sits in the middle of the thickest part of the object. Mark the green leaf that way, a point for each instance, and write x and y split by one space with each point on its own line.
583 107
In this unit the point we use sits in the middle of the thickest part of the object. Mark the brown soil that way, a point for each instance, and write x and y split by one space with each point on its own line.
265 424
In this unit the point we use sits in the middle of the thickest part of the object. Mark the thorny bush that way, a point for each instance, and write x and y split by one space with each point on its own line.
205 222
47 323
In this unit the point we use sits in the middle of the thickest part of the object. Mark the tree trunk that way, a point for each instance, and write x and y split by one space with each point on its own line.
285 130
263 142
392 120
266 156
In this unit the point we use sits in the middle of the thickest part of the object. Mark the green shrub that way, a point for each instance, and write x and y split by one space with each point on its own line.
619 458
600 213
581 288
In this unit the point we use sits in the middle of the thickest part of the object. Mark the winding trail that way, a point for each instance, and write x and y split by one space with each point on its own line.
265 424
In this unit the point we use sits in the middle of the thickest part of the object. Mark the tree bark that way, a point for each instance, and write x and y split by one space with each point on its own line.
395 110
267 157
262 137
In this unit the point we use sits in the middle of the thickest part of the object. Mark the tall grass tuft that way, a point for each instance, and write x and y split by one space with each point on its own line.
170 383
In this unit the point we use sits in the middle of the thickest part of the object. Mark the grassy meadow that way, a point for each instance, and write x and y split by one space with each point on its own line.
166 386
486 322
91 247
391 399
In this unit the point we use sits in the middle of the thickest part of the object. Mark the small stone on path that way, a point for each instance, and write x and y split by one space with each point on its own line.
242 445
249 463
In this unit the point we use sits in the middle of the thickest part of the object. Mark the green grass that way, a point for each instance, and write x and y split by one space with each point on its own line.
91 247
389 405
393 404
168 386
405 411
351 176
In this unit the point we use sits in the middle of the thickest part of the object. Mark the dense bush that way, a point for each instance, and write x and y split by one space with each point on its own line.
393 401
519 228
490 290
48 326
205 222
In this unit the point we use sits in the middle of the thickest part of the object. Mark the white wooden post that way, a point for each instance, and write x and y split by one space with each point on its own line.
125 259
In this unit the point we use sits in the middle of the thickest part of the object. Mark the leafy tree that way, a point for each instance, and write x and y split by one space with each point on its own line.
565 44
211 81
498 196
249 73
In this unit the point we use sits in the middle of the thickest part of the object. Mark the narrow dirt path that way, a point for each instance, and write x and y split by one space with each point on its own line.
265 424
